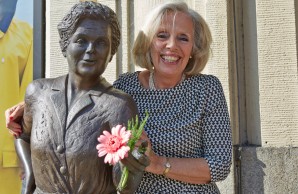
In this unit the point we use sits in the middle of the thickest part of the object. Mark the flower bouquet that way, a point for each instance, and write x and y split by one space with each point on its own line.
119 142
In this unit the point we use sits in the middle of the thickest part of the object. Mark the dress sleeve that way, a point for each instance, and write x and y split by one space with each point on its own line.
124 81
217 141
118 83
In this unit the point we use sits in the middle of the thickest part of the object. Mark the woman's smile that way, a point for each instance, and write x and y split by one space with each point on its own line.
170 58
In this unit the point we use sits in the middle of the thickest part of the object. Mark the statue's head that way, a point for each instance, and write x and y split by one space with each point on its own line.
88 10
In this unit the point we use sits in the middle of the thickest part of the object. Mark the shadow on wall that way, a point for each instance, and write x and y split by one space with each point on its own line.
252 172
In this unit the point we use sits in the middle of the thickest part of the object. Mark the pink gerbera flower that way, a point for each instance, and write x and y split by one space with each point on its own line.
114 145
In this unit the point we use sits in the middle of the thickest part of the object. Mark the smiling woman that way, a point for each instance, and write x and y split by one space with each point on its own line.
189 129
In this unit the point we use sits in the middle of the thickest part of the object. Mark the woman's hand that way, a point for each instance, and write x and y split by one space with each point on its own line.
144 138
13 117
156 162
179 170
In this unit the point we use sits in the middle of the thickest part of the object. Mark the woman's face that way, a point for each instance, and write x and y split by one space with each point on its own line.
172 44
89 49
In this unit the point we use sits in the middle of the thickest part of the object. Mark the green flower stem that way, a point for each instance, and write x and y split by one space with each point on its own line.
123 180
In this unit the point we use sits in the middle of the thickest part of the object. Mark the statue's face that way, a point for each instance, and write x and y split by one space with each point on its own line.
89 49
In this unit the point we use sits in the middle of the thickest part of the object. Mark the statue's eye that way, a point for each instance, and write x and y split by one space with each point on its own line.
80 41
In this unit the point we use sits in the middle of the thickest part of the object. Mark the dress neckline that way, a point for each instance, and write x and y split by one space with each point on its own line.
152 83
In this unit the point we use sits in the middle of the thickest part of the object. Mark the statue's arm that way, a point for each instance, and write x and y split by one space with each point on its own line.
23 151
22 143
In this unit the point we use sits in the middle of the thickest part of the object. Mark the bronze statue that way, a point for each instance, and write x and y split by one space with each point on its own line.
64 116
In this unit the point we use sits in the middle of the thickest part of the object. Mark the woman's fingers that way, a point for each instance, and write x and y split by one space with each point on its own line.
15 134
13 117
14 125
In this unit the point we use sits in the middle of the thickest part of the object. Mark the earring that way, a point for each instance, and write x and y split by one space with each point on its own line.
190 57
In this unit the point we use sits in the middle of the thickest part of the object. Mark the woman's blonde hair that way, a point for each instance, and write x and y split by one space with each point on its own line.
202 38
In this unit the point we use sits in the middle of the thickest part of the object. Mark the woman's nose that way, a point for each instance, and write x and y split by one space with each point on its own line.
171 43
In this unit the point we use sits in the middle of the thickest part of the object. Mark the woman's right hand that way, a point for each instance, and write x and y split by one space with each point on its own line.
13 117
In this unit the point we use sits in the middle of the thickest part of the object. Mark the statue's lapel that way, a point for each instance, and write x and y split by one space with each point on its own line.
67 116
82 103
88 99
58 98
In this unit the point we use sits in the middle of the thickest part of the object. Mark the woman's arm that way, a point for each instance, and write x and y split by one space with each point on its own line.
217 135
190 170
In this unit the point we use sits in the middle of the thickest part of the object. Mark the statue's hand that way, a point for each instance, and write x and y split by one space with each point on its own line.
136 164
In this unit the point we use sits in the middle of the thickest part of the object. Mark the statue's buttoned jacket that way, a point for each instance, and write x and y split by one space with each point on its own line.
63 141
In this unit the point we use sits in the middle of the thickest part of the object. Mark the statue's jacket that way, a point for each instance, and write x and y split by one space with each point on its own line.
63 141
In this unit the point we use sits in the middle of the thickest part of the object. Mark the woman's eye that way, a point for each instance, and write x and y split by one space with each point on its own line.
185 39
162 35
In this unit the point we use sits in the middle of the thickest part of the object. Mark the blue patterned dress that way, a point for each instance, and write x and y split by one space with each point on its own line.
190 120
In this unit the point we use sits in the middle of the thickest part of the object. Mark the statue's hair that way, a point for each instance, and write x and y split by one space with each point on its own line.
90 10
